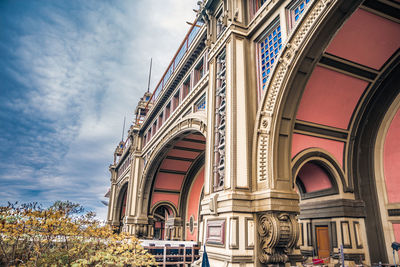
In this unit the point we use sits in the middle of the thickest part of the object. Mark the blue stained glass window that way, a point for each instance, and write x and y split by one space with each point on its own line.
298 9
271 45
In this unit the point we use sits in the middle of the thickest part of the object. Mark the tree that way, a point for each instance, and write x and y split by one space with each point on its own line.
63 235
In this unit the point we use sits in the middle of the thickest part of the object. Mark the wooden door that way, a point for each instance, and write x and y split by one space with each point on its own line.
323 245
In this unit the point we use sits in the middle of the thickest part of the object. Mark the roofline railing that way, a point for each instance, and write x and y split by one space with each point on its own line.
173 63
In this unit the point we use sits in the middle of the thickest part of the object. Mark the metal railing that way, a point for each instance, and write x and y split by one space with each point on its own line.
183 48
176 255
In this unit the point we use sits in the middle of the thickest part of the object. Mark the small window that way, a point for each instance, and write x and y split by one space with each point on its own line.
200 104
167 110
175 101
198 72
268 50
295 11
186 88
160 121
154 128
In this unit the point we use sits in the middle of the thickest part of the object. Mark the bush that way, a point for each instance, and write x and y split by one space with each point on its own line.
63 235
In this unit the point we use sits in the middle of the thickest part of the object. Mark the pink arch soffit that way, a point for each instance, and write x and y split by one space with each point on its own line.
314 177
174 168
391 159
193 204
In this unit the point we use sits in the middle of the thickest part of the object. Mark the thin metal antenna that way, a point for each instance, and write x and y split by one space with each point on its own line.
123 129
148 84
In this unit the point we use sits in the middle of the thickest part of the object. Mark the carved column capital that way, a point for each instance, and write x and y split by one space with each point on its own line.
278 233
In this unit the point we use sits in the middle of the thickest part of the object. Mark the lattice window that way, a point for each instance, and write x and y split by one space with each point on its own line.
296 10
220 121
268 48
200 104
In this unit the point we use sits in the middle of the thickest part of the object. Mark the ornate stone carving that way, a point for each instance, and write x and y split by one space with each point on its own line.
220 122
277 83
278 233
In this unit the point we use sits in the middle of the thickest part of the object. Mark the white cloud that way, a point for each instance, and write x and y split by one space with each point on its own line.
83 79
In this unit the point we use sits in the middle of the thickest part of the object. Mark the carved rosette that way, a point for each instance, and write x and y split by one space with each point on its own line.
278 233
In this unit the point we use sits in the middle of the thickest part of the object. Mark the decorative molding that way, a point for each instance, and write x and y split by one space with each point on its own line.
278 233
345 231
357 235
234 233
220 123
301 235
275 85
334 242
249 233
332 208
215 233
309 234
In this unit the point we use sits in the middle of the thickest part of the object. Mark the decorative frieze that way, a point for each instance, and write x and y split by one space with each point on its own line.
278 233
220 123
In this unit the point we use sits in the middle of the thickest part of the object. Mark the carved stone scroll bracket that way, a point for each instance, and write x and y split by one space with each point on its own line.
278 233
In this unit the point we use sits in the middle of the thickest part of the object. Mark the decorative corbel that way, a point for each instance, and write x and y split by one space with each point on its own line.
278 233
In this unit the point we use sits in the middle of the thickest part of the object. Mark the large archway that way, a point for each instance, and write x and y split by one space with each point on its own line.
176 180
121 206
321 95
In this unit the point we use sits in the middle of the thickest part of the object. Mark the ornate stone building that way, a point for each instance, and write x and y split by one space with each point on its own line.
272 135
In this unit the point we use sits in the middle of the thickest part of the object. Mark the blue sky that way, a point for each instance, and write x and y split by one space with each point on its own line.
69 72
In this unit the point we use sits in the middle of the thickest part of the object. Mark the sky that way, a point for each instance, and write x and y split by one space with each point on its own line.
69 72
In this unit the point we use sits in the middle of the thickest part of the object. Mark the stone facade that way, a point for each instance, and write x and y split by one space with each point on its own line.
271 138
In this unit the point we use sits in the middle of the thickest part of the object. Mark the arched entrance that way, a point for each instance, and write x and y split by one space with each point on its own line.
321 96
121 206
177 179
161 214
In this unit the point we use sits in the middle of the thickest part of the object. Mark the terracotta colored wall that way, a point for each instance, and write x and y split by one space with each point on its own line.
169 181
396 230
330 98
314 177
391 160
301 142
193 203
366 39
157 196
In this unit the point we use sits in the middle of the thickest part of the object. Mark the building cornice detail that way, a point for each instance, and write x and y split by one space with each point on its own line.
165 129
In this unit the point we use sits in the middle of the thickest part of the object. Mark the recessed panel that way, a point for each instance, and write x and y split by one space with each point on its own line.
314 178
301 142
183 153
330 98
367 39
391 159
169 181
189 144
171 197
176 165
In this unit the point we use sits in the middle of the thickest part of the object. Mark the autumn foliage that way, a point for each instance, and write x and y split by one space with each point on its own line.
63 235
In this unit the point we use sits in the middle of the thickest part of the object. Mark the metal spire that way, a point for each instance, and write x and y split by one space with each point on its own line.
123 130
148 84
